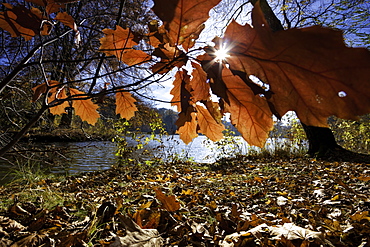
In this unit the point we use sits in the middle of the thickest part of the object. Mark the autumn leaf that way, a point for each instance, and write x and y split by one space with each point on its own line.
67 20
170 57
308 70
364 178
208 125
214 109
250 113
183 19
358 216
181 91
59 108
38 91
186 92
125 105
84 108
200 88
51 6
157 34
42 88
187 125
38 2
55 94
168 202
147 219
20 21
66 1
120 43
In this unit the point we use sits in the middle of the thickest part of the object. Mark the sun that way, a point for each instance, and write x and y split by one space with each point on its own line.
222 54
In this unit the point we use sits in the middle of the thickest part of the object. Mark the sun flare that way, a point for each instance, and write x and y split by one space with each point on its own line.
221 54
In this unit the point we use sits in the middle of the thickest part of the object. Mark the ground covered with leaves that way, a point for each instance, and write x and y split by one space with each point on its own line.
234 202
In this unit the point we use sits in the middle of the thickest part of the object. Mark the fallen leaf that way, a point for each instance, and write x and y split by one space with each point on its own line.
168 202
358 216
364 178
135 236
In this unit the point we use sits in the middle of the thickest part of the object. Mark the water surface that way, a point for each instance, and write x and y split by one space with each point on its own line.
78 157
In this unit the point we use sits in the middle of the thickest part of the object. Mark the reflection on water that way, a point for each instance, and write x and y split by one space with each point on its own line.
85 156
91 156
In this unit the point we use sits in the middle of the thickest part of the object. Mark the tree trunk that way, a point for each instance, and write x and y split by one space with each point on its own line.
320 140
323 145
66 120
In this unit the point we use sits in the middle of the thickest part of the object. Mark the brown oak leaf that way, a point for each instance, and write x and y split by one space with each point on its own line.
125 105
20 21
120 43
250 113
183 19
208 125
187 125
181 91
310 70
84 108
168 202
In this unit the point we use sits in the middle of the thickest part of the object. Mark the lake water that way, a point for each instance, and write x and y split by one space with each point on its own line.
78 157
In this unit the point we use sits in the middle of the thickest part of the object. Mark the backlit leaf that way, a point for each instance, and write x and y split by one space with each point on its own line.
125 105
250 113
181 91
214 109
60 109
84 108
187 125
183 19
133 57
308 70
55 94
170 57
66 1
51 6
119 43
20 21
67 20
200 89
42 88
208 125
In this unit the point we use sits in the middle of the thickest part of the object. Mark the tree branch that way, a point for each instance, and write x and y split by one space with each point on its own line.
23 131
25 60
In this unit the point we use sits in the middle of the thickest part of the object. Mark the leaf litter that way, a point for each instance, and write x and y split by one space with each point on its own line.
241 201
